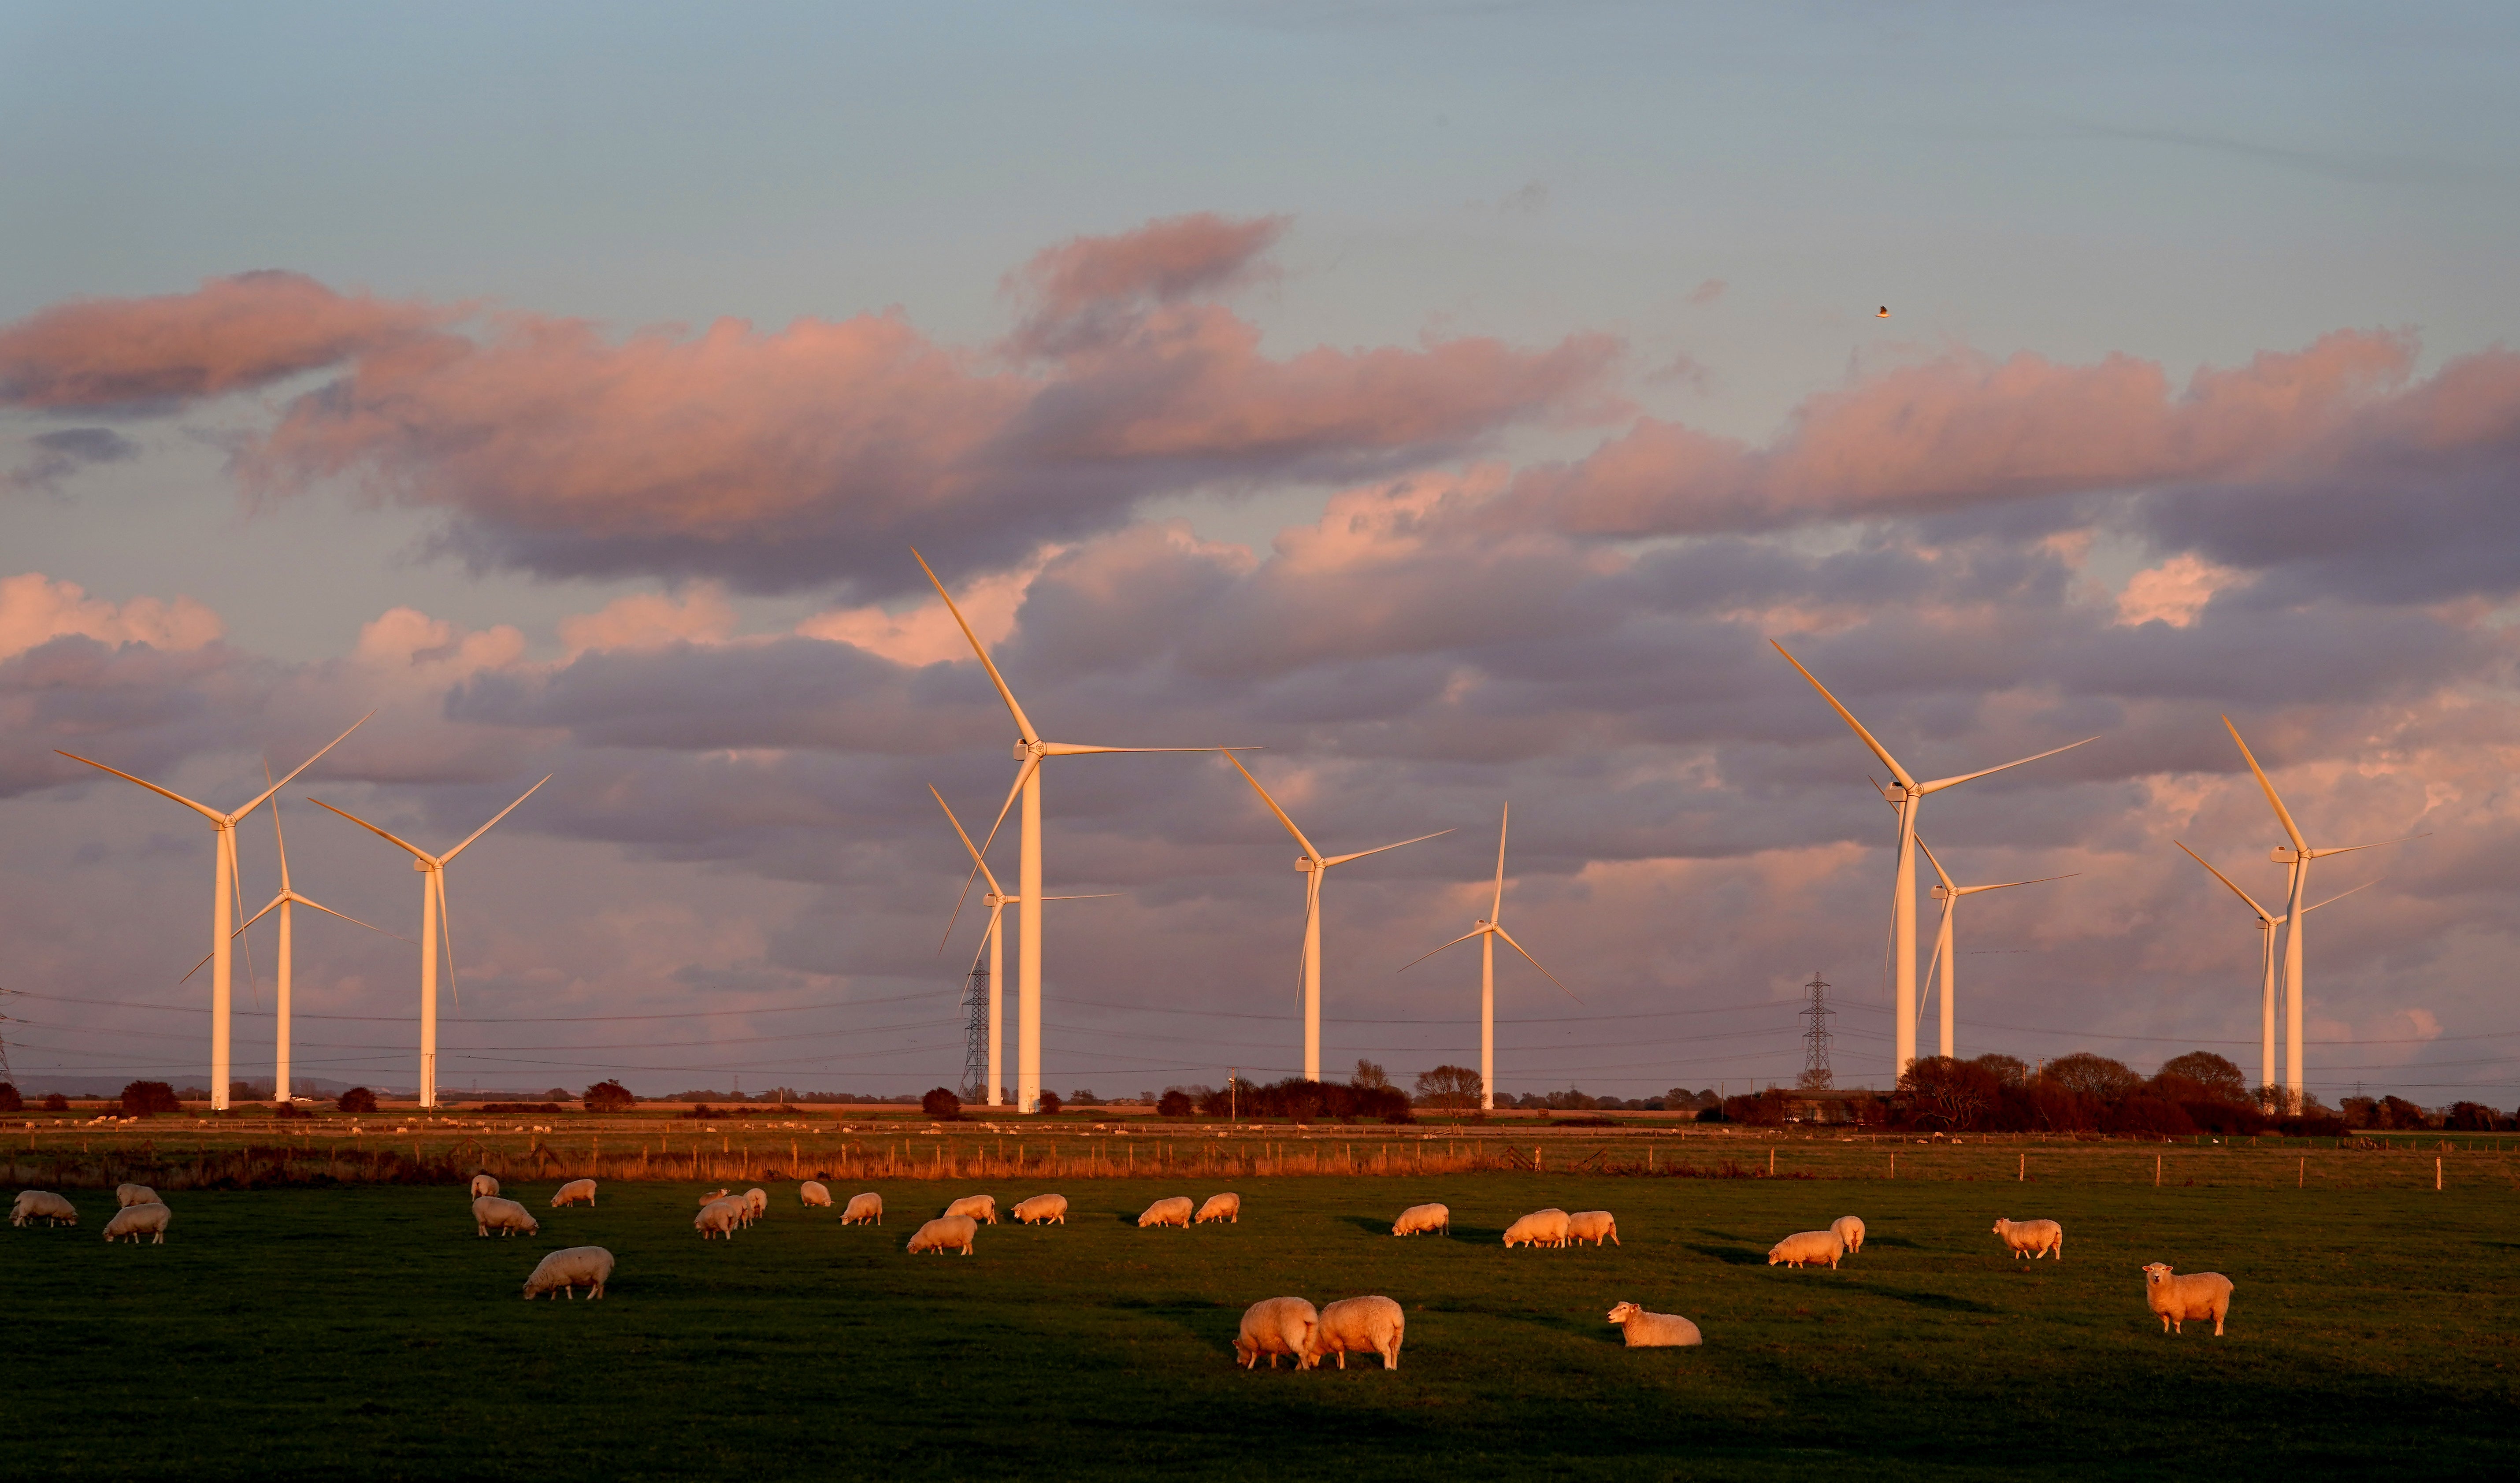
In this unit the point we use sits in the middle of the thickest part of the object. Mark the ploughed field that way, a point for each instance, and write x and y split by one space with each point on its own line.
365 1331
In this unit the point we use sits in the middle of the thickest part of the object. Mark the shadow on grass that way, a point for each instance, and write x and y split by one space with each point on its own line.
1941 1302
1478 1236
1730 1256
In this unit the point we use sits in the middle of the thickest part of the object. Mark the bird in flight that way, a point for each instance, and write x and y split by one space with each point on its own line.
1884 314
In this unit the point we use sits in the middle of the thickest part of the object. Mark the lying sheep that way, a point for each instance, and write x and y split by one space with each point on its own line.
135 1194
1273 1327
946 1233
719 1217
505 1216
1167 1212
1043 1210
1807 1248
1419 1220
1541 1227
1220 1207
815 1194
1850 1233
42 1205
1594 1226
2033 1239
150 1220
712 1198
756 1204
864 1211
1654 1331
979 1207
483 1185
1360 1325
570 1269
2197 1295
577 1191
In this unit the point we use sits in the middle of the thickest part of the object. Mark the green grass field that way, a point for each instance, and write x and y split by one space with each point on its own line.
366 1333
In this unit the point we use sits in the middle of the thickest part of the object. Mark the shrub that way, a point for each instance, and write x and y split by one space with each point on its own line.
2471 1117
2092 1075
2214 1074
1175 1103
1946 1093
1710 1114
144 1098
53 1102
289 1109
523 1106
941 1102
1304 1100
1449 1086
2010 1071
1050 1102
10 1100
357 1099
2148 1115
609 1097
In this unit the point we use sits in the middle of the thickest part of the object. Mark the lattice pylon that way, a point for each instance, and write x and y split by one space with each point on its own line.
975 1040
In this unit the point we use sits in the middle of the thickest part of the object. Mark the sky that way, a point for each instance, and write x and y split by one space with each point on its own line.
1454 400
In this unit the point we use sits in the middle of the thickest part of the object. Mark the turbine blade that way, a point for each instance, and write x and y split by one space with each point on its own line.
2292 830
2005 885
265 911
203 809
1938 864
1939 783
1933 960
1848 717
494 818
1023 723
2262 913
1496 911
417 852
300 768
1087 896
1422 957
1023 775
302 900
979 866
1310 853
236 884
981 949
1535 963
962 835
278 838
446 928
1379 849
195 969
2348 849
2341 895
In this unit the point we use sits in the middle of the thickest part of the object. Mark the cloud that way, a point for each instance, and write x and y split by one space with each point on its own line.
650 620
1088 289
1707 292
61 453
35 609
2174 591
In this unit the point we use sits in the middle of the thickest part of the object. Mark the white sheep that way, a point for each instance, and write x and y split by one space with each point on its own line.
756 1204
1418 1220
1273 1327
2033 1239
577 1191
136 1195
1174 1211
570 1269
1654 1331
864 1211
1850 1233
815 1194
1541 1227
1807 1248
719 1217
712 1198
946 1233
483 1185
1360 1325
1043 1210
136 1221
42 1205
982 1208
1594 1226
1220 1207
505 1216
2197 1295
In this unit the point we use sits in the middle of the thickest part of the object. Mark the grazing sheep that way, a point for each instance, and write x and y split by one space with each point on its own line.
979 1207
1654 1331
719 1217
136 1221
136 1195
1043 1210
483 1185
570 1269
1807 1248
2033 1239
42 1205
712 1198
1418 1220
1273 1327
1850 1233
815 1194
946 1233
756 1204
1594 1226
1168 1212
577 1191
1541 1227
1220 1207
2197 1295
505 1216
1360 1325
864 1211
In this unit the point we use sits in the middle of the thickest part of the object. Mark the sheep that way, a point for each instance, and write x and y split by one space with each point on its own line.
815 1194
1806 1249
1360 1325
1273 1327
135 1194
864 1211
2197 1295
506 1216
2032 1239
1654 1331
42 1205
1167 1212
485 1186
570 1269
1850 1233
1418 1220
1594 1226
946 1233
1541 1227
577 1191
1043 1210
712 1198
756 1204
979 1207
719 1217
136 1221
1220 1207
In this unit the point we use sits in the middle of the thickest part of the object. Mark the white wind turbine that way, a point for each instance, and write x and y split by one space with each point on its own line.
1907 796
1949 893
1488 929
435 928
1029 749
1315 866
223 871
2267 925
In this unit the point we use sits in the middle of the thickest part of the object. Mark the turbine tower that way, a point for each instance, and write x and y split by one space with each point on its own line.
2267 925
1315 866
1949 894
223 869
1907 795
1488 929
435 928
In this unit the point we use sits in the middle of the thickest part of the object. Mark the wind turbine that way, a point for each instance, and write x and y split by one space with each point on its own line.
2297 857
1907 796
223 871
435 928
1488 929
2267 925
1949 894
996 900
1029 749
1315 866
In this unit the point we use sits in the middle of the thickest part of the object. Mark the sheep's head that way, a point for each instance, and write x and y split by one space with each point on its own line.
2000 1224
2157 1274
1624 1312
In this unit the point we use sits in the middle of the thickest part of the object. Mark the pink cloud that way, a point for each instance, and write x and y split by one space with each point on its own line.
34 609
1080 288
